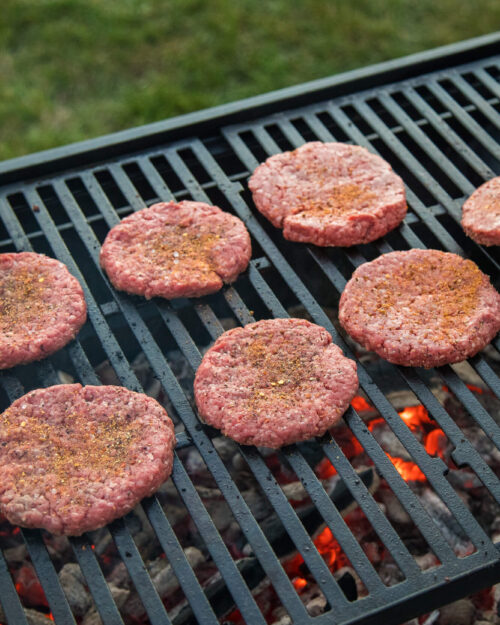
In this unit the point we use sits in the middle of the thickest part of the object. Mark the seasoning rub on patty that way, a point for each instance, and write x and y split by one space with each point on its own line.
329 194
42 307
73 458
185 249
420 308
274 382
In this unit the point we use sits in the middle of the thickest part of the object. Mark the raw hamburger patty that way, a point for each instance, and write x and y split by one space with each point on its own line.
173 250
274 382
421 308
41 307
329 194
481 214
74 458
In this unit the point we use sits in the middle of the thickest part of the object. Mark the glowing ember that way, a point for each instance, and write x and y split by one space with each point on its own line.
360 404
325 469
471 387
435 443
299 583
415 416
29 588
409 471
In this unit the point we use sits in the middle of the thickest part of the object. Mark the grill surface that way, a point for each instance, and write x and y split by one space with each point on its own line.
440 132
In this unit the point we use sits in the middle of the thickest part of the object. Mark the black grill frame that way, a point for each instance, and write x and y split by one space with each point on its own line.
201 135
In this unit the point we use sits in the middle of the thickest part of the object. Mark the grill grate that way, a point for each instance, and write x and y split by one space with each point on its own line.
440 131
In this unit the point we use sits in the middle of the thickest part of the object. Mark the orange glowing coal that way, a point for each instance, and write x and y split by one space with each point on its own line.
359 404
416 418
331 551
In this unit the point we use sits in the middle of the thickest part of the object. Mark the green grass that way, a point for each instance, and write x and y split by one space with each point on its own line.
75 69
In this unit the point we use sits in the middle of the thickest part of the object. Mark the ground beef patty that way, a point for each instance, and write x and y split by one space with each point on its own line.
274 382
42 307
421 308
329 194
481 214
174 250
74 458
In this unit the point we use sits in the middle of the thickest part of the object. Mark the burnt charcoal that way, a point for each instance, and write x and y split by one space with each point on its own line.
389 442
92 618
390 573
32 616
226 448
119 576
16 555
74 587
310 516
394 510
165 580
446 522
458 613
283 620
426 561
317 605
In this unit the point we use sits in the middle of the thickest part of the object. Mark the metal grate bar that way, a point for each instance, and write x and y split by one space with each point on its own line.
487 80
447 132
48 577
218 550
254 534
180 565
9 599
464 118
154 178
95 581
444 163
474 408
336 523
138 574
480 103
295 529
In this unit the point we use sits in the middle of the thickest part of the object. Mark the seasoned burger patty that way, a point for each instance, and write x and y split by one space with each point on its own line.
274 382
481 214
173 250
329 194
74 458
421 308
42 307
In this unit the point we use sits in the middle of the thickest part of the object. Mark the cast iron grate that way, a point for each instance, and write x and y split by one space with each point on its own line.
440 131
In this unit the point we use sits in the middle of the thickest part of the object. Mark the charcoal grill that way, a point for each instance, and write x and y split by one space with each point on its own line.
435 116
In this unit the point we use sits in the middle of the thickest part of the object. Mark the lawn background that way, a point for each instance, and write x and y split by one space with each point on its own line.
76 69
